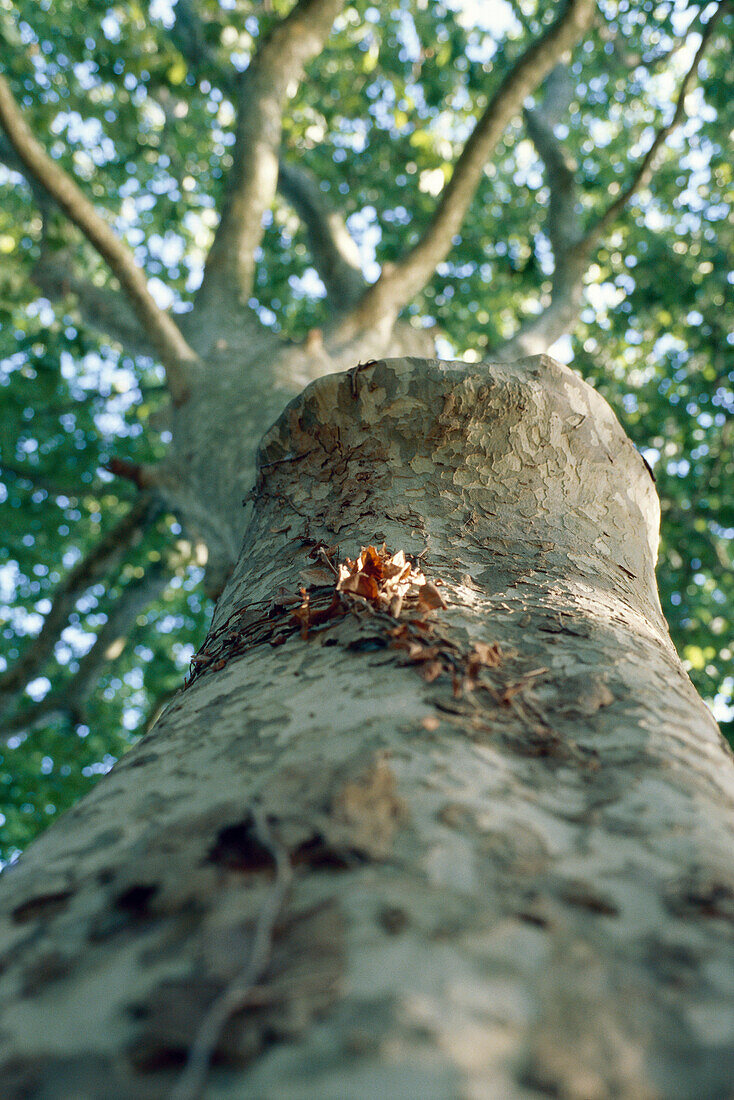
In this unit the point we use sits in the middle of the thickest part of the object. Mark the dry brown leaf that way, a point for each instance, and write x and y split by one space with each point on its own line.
429 597
487 654
360 584
396 566
396 605
418 652
370 562
431 670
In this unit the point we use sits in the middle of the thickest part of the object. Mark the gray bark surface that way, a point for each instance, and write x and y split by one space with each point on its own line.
496 866
246 378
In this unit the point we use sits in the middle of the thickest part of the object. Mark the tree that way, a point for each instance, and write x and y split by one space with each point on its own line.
510 817
465 831
500 223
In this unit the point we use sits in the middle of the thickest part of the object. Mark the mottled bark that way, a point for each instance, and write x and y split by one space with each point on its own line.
247 378
343 866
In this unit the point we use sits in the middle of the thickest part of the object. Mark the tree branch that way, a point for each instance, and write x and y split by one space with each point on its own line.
563 223
175 353
187 35
563 226
103 309
111 640
334 252
571 246
264 90
646 168
403 280
104 556
113 636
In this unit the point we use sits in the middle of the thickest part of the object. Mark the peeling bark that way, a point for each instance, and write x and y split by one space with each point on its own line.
512 878
247 378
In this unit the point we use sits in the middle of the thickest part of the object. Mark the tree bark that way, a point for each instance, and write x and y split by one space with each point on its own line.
246 379
481 850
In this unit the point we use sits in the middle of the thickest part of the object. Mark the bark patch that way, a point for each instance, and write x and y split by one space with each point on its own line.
48 967
300 982
699 895
128 909
583 896
238 848
135 901
319 855
371 809
42 906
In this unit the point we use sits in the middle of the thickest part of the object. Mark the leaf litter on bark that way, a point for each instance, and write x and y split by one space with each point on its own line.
388 592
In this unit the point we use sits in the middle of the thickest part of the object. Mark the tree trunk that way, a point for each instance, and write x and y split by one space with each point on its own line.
246 376
381 847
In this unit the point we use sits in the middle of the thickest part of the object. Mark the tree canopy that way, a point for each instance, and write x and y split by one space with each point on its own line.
600 226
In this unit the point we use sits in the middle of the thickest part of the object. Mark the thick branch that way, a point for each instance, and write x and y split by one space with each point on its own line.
334 252
175 354
646 168
105 555
134 599
537 334
265 87
101 308
563 222
398 285
73 700
105 310
187 34
571 247
563 226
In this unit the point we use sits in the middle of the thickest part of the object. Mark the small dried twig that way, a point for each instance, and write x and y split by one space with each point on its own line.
288 458
355 371
240 990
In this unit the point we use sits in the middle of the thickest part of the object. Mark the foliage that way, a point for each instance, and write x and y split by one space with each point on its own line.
110 90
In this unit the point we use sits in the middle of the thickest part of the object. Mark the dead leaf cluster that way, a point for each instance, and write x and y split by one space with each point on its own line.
376 582
387 581
388 591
